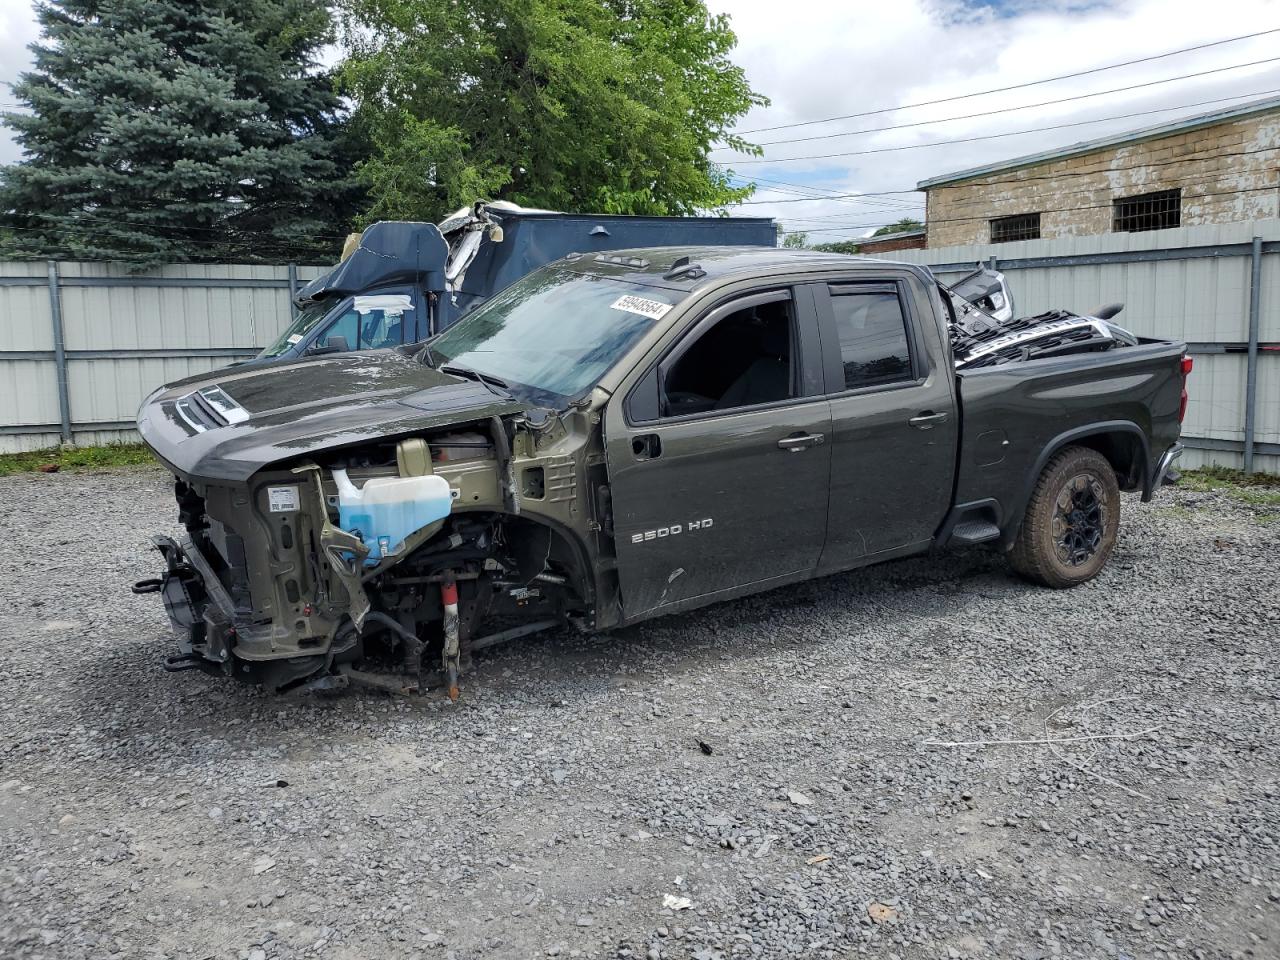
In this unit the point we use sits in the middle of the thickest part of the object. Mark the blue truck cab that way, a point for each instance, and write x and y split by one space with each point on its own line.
402 282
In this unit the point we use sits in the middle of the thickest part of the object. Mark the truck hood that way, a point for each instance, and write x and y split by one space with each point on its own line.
229 424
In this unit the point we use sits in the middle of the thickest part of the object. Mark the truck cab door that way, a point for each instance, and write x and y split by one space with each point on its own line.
719 456
894 418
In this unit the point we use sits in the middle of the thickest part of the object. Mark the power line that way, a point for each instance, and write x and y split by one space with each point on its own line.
1027 106
276 244
812 189
1202 177
1015 86
1096 206
1032 179
250 247
1010 133
867 205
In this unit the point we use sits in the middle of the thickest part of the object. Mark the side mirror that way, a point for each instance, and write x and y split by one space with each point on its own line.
335 344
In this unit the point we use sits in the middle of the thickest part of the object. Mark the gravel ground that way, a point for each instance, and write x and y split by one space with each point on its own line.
561 805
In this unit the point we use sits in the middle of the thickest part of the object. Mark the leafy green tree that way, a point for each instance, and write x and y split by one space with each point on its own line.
838 246
796 240
906 223
163 130
601 105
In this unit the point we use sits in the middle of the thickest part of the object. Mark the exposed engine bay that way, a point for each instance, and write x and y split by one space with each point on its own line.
412 600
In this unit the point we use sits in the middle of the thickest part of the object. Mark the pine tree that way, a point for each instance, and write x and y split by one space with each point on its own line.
170 130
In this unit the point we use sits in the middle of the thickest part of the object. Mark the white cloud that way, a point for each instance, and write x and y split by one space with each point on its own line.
18 28
825 58
821 58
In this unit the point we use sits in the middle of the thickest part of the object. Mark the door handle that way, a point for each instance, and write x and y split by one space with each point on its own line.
925 421
802 442
646 446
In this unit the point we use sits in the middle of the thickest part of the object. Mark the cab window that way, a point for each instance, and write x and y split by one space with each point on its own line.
743 359
872 329
367 330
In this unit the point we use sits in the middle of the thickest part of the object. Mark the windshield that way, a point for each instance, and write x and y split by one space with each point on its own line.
302 324
554 331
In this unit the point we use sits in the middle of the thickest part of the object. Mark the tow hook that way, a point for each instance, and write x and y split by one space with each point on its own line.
452 644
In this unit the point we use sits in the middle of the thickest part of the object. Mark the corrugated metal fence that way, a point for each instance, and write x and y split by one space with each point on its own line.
82 343
1216 287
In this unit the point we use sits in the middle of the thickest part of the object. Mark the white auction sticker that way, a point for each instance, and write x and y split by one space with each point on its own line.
653 309
282 499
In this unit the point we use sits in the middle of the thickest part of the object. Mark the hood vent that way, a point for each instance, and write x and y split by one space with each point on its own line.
208 408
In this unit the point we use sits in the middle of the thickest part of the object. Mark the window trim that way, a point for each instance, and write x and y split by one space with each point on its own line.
921 367
714 314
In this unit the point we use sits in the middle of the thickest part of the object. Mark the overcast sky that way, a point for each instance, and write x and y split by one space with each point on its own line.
825 58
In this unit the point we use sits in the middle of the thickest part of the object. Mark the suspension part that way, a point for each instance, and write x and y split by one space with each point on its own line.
452 643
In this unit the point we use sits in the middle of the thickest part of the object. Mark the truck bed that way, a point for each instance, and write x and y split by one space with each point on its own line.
1016 414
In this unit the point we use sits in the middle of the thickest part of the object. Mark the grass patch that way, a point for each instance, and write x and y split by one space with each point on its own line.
110 455
1257 488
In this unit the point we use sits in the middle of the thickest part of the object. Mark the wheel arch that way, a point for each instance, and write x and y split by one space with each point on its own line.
1122 443
574 547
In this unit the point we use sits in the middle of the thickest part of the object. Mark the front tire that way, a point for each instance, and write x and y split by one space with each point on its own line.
1071 522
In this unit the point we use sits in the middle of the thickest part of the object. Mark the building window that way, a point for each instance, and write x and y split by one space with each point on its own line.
1023 226
1148 211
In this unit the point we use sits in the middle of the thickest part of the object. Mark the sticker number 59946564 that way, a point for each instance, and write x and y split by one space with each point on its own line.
653 309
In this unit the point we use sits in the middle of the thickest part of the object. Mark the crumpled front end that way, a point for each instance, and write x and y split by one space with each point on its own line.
241 587
387 563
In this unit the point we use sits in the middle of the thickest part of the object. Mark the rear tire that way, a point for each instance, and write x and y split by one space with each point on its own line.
1071 522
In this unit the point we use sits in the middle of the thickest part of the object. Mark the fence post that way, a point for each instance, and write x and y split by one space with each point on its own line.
1251 371
293 290
59 351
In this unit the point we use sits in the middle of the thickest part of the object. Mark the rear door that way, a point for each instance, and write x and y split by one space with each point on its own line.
719 455
893 417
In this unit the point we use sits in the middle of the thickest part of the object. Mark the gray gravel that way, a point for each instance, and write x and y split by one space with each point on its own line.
554 810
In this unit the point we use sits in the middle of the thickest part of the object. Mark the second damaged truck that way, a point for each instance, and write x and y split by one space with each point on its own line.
623 435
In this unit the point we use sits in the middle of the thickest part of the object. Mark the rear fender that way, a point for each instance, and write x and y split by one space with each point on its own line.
1121 442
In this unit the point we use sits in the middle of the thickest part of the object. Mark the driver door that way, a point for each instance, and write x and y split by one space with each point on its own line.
719 457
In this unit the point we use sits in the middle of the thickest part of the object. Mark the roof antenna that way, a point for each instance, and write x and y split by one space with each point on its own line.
682 267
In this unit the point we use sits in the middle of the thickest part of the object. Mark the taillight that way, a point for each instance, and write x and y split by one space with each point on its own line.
1187 364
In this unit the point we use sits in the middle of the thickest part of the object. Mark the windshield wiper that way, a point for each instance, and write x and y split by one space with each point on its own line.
496 386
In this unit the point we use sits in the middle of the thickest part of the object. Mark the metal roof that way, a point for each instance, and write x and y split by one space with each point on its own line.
1089 146
651 265
900 235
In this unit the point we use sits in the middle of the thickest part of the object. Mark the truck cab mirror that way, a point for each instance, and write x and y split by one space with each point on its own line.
335 344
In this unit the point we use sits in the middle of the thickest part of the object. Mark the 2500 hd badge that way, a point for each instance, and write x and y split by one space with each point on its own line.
671 531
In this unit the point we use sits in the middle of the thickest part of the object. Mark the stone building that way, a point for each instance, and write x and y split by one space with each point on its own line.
1214 168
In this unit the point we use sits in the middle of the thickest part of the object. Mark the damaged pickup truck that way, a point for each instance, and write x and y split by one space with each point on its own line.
623 435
